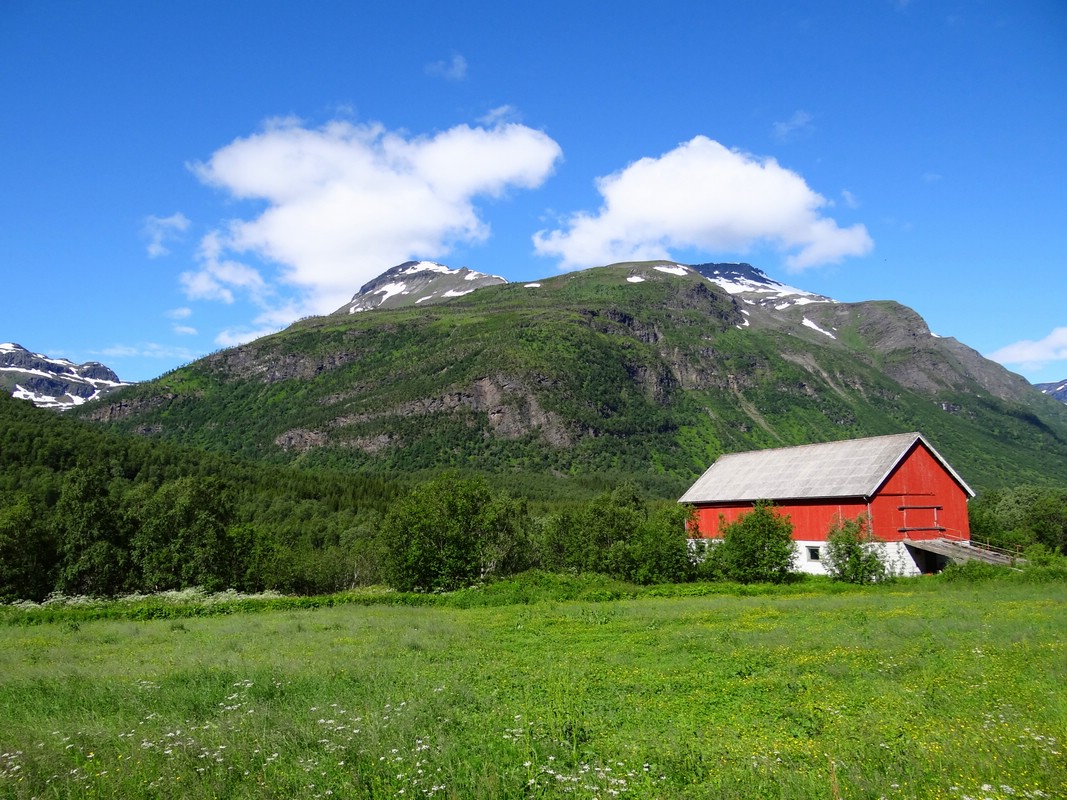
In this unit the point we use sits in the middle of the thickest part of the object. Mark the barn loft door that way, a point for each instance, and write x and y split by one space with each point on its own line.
920 517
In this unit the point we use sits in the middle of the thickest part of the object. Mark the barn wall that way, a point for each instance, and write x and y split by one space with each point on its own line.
896 556
920 500
811 519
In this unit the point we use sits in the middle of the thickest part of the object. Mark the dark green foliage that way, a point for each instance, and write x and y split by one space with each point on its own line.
27 550
1047 518
659 550
92 537
620 534
181 539
853 553
973 570
453 532
84 511
1018 517
757 547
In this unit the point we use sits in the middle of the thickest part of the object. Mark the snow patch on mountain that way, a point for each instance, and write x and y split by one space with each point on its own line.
807 323
676 269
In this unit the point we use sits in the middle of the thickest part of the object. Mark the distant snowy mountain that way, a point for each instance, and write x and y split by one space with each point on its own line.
1057 390
417 283
53 382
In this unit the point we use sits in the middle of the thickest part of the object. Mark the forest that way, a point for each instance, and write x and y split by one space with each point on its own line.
88 512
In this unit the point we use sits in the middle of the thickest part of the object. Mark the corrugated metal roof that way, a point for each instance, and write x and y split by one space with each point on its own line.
853 468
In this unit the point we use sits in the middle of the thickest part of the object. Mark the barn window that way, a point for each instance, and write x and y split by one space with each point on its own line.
813 554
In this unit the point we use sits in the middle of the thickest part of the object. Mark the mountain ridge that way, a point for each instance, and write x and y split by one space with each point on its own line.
1056 389
646 369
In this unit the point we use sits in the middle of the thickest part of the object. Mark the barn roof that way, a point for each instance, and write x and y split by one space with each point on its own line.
852 468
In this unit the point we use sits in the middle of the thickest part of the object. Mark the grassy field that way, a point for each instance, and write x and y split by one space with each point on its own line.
913 690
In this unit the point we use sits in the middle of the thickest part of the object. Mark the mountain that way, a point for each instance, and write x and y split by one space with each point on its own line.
641 370
1058 390
416 283
752 286
53 382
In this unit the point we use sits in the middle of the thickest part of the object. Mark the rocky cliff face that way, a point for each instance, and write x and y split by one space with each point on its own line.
53 382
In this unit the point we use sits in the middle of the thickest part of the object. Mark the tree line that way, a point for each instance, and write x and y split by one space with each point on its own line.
87 512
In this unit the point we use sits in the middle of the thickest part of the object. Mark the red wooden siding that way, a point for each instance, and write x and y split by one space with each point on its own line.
919 500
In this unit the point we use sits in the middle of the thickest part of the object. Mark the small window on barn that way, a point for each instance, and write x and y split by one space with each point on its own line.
813 554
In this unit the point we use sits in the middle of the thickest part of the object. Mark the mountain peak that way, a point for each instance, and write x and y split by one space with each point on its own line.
53 382
754 287
416 283
1056 389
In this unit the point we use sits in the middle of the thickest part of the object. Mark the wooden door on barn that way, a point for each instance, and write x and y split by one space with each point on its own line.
920 517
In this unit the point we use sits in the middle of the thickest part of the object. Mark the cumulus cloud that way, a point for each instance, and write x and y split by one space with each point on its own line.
797 124
1034 355
234 337
346 201
455 69
159 230
703 196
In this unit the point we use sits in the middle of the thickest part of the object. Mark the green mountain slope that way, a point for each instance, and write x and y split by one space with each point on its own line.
625 370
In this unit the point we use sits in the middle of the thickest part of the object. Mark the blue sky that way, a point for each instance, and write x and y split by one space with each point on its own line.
179 177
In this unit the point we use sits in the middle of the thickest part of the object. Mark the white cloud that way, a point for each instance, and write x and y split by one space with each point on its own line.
850 199
1034 355
232 338
499 115
347 201
455 69
161 229
147 350
799 123
179 313
184 330
703 196
218 277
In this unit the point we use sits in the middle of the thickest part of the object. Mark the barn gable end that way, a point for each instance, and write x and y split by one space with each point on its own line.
900 482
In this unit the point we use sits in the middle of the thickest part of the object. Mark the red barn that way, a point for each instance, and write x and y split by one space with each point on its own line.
915 501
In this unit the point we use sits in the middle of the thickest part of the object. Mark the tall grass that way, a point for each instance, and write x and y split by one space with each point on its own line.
913 690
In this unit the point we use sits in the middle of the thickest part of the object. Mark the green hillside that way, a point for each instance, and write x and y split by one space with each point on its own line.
595 374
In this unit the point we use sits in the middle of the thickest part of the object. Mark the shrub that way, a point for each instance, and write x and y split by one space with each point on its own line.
973 571
453 532
757 547
620 534
853 553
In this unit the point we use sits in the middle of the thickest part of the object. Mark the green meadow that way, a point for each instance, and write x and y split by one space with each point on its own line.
915 689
